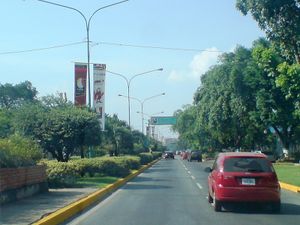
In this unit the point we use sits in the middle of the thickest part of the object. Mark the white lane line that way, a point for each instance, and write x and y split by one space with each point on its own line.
189 172
193 177
199 186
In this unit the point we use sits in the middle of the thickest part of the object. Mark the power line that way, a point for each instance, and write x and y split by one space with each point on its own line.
111 44
158 47
41 49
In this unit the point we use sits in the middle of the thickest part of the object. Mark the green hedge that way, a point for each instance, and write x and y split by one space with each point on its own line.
60 174
18 151
130 162
64 174
149 157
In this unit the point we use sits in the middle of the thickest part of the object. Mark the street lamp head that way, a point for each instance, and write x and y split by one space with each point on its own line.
163 93
160 69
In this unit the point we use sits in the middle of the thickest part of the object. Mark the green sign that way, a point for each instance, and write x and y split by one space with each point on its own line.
163 120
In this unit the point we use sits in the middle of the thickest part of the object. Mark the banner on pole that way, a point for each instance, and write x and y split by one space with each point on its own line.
80 84
99 92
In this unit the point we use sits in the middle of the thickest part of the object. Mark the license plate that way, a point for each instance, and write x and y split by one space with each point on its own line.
248 181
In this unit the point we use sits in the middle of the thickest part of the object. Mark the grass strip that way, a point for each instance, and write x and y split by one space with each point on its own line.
94 182
288 173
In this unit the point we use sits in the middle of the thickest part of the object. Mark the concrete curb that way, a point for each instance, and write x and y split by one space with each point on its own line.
72 209
290 187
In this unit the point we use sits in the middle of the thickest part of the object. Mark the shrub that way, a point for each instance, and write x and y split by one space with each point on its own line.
130 162
156 155
17 151
60 174
110 167
146 158
64 174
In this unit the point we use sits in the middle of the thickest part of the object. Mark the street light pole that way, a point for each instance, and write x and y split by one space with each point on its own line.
128 82
87 27
142 105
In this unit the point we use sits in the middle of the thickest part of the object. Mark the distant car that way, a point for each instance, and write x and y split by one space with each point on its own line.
184 155
168 155
243 177
195 155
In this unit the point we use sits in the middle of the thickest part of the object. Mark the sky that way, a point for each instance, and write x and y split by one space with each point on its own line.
184 37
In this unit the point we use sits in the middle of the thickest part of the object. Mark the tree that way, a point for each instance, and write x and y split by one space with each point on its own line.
5 123
274 108
58 130
15 95
238 101
119 135
280 20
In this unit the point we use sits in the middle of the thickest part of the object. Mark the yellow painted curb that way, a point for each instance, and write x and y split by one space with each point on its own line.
70 210
290 187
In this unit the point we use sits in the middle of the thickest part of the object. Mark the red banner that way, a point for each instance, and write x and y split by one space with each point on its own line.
80 84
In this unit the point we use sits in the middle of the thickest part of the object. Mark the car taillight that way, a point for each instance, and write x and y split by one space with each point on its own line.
228 180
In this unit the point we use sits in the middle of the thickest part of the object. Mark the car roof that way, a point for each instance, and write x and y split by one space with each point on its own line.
241 154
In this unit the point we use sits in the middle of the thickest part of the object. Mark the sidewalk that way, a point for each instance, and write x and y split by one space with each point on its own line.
30 209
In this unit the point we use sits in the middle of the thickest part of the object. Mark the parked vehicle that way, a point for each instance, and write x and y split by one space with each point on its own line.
168 155
184 155
243 177
195 155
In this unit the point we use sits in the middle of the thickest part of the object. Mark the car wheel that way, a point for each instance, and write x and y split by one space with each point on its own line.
210 199
216 204
276 207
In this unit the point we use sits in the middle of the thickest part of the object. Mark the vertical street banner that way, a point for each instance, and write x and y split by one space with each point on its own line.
99 92
80 84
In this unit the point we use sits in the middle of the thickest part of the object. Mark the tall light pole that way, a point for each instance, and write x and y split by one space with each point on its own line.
87 27
142 104
128 82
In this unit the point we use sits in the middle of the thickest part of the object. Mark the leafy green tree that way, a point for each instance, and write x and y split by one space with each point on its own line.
238 101
118 134
59 130
274 108
185 126
280 20
15 95
5 123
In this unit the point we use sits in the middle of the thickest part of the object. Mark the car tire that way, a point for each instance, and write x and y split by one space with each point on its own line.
209 198
276 207
216 203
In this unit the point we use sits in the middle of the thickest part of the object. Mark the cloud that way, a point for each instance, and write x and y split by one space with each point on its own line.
203 61
175 76
198 66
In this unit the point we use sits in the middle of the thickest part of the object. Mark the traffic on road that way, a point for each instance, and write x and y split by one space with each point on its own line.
176 192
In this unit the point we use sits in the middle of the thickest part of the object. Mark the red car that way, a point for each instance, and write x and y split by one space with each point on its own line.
243 177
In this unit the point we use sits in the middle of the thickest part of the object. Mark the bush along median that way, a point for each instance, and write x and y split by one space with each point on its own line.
69 174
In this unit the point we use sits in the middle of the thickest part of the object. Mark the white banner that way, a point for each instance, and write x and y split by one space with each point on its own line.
99 92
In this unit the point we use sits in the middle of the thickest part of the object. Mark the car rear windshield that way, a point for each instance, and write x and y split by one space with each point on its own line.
247 164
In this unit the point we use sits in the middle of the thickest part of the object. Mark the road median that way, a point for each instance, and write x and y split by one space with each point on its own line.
290 187
72 209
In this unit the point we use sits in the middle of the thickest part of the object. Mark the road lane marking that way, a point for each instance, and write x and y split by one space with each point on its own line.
189 172
193 177
199 186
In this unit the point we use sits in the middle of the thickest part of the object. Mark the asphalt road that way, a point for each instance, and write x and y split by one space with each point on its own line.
174 192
